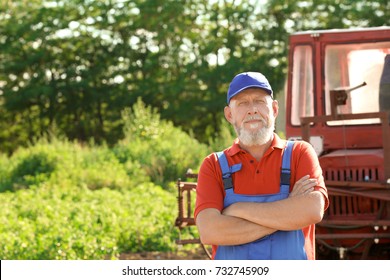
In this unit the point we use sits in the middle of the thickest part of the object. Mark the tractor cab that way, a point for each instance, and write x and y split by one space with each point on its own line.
338 99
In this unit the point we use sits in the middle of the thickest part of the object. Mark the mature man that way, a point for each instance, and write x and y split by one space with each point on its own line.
259 198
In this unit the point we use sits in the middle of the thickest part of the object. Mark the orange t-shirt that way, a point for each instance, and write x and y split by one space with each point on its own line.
261 177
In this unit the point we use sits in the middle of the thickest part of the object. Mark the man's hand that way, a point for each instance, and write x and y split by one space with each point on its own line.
303 186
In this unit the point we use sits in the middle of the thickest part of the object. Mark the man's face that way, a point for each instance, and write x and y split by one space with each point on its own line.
252 113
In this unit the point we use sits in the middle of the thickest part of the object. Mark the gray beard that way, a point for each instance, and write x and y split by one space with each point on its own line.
259 137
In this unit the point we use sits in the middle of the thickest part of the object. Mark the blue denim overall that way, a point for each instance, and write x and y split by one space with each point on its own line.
281 245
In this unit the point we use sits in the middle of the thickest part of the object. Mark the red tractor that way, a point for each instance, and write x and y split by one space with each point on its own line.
338 99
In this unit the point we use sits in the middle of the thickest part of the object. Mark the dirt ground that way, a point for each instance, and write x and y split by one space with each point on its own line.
180 254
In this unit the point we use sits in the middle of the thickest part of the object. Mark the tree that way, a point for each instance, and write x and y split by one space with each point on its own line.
77 64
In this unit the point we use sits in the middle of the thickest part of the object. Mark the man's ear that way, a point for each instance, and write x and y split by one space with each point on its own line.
275 108
228 114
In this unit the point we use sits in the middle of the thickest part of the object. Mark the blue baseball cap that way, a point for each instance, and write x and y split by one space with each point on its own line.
248 80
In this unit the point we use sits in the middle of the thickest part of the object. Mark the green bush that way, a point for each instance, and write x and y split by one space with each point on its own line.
224 137
5 174
30 166
98 168
64 200
164 151
33 169
50 223
53 162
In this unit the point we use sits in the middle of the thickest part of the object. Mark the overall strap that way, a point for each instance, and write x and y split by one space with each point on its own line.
286 163
227 170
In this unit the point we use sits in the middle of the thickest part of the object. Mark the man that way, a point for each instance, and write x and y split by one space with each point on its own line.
247 212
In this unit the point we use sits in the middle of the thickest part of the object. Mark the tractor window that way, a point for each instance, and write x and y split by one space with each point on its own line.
302 84
350 65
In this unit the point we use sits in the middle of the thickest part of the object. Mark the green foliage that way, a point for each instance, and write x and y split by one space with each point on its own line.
142 122
55 161
64 200
79 64
98 168
164 151
33 169
50 223
5 173
224 138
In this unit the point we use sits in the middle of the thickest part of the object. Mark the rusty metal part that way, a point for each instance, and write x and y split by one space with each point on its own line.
184 197
383 116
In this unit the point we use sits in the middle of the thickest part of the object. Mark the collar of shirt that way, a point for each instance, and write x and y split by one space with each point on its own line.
277 143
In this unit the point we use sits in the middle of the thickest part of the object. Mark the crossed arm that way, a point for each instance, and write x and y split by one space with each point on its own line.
245 222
